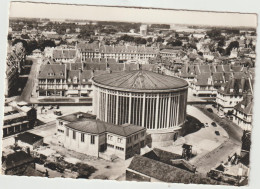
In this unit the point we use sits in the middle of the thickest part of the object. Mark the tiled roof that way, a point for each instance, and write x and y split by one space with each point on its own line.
96 66
64 53
140 79
52 71
246 105
116 49
29 138
202 79
17 159
97 127
158 170
237 68
78 116
237 86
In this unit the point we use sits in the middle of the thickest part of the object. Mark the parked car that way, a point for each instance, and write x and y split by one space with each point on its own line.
214 124
58 113
217 133
210 110
206 124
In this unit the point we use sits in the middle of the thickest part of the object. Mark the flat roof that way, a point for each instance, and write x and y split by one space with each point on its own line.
29 138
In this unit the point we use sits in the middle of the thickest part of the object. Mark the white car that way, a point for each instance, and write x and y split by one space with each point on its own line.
221 116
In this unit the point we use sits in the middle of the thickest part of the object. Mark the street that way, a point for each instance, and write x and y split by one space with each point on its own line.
30 85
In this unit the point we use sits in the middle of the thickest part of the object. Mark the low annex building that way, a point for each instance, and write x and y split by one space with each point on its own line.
17 120
82 133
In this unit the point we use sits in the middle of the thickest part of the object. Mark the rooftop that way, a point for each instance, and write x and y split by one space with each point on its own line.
139 79
97 127
29 138
16 159
77 116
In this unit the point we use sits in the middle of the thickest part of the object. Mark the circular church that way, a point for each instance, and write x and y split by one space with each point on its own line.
143 98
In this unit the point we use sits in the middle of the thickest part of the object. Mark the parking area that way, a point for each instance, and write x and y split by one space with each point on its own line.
48 113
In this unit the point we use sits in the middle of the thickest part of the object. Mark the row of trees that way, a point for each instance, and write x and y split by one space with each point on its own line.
32 45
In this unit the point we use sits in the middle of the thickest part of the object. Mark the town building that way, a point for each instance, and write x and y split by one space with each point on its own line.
143 30
66 55
16 120
29 141
75 79
243 113
151 100
81 132
232 92
19 163
140 54
14 63
162 166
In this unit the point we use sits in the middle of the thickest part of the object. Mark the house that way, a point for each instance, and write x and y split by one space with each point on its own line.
118 52
203 85
96 138
17 163
15 121
232 92
29 140
78 116
161 166
243 113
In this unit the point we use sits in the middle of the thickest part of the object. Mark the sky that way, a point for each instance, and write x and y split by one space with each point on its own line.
99 13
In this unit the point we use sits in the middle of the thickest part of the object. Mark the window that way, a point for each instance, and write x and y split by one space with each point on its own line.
67 132
60 123
92 139
119 148
129 140
136 136
142 143
119 140
74 135
142 134
110 137
110 145
82 137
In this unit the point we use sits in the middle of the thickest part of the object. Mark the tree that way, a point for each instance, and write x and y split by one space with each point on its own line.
214 33
232 45
46 43
159 39
22 41
150 40
9 37
32 45
246 140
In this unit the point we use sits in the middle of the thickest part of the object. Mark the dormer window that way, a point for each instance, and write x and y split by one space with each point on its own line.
61 74
242 106
69 80
84 80
75 79
240 90
231 90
